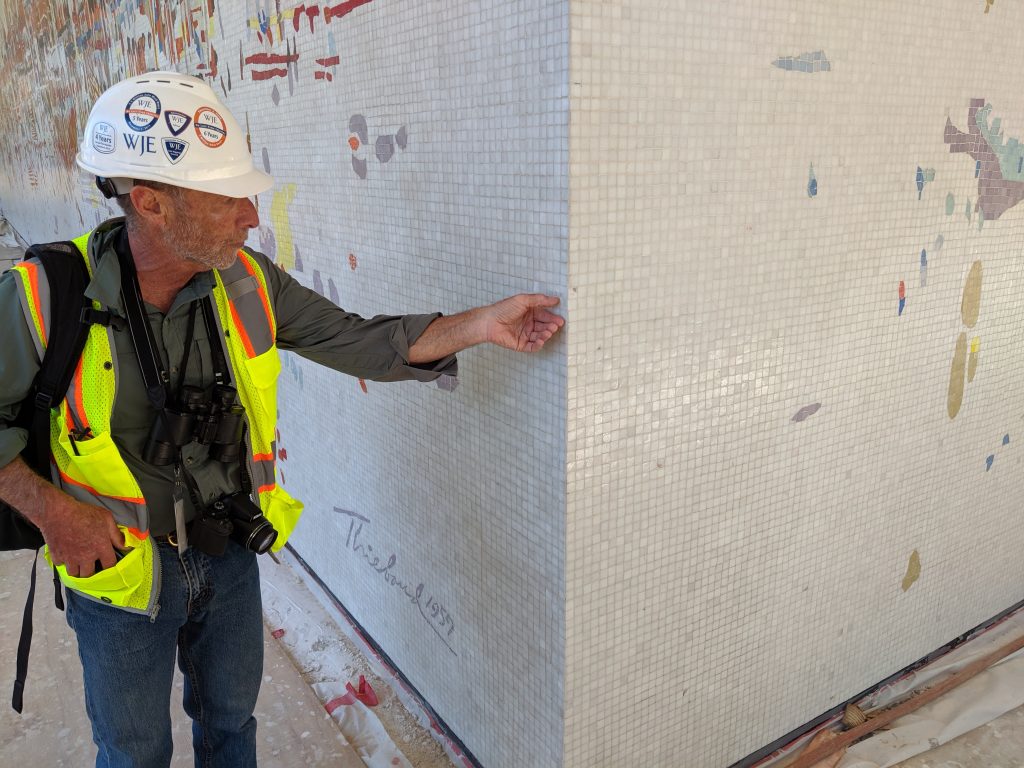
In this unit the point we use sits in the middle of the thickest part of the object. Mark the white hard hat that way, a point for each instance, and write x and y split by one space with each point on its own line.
172 128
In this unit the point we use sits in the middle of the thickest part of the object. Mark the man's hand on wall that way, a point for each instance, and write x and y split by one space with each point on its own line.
523 322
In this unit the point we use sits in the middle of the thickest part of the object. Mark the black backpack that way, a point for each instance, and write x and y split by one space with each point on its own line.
71 315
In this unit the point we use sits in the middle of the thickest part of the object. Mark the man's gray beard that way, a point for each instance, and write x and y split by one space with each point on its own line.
221 258
187 241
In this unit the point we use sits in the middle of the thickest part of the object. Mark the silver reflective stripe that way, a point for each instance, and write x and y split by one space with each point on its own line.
242 291
140 611
44 297
234 273
44 307
36 341
116 363
239 288
263 473
255 468
125 513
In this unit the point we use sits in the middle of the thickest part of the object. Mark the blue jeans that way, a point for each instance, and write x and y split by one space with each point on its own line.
211 614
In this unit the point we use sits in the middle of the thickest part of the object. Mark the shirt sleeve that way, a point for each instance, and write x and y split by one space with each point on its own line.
19 364
376 349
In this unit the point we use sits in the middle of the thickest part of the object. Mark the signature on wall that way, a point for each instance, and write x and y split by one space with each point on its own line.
432 611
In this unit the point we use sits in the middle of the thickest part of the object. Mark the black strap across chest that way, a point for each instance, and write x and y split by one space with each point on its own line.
155 376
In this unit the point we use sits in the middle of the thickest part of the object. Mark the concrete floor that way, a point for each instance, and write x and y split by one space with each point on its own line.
999 744
294 729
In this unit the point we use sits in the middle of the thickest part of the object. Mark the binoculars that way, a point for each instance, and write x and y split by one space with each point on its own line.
213 419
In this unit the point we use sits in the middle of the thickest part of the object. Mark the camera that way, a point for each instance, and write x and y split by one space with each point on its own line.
233 516
213 419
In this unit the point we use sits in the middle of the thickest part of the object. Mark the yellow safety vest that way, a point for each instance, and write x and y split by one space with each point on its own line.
93 470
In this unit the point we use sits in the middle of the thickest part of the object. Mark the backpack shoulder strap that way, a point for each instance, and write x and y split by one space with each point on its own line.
67 277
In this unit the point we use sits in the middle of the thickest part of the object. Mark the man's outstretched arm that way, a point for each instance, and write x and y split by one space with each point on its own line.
522 323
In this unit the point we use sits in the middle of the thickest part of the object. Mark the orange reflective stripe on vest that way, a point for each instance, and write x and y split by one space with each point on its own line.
35 303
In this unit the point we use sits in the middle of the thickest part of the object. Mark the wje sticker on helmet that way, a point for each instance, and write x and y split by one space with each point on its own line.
142 111
174 149
210 127
104 138
176 121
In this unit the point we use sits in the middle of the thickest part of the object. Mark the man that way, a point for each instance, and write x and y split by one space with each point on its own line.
163 456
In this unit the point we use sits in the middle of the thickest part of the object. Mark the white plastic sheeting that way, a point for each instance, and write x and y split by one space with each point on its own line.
980 700
336 663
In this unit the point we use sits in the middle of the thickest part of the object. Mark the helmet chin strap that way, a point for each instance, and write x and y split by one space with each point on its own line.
114 187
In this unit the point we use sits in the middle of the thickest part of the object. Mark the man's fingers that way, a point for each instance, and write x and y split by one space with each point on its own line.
543 316
541 300
84 565
107 561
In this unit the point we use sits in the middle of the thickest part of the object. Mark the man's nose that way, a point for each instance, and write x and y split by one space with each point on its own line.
247 215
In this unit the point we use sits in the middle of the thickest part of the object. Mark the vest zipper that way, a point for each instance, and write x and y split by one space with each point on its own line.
157 580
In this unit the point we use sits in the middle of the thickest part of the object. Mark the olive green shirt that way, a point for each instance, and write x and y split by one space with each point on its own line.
307 323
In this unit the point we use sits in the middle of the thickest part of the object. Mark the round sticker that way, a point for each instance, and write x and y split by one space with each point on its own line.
104 138
142 111
210 127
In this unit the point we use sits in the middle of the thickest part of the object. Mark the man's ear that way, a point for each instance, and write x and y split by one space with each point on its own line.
150 204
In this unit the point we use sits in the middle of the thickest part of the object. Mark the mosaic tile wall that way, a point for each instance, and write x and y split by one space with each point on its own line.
795 391
774 458
420 152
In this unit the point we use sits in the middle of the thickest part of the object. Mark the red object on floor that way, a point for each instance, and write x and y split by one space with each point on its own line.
277 634
341 701
365 693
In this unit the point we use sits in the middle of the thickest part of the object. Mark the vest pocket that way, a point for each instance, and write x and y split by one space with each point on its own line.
262 372
125 584
282 510
97 464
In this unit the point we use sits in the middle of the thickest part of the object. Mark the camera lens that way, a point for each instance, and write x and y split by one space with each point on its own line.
252 530
257 535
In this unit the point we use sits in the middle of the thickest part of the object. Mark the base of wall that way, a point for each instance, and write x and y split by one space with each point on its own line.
451 741
935 664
